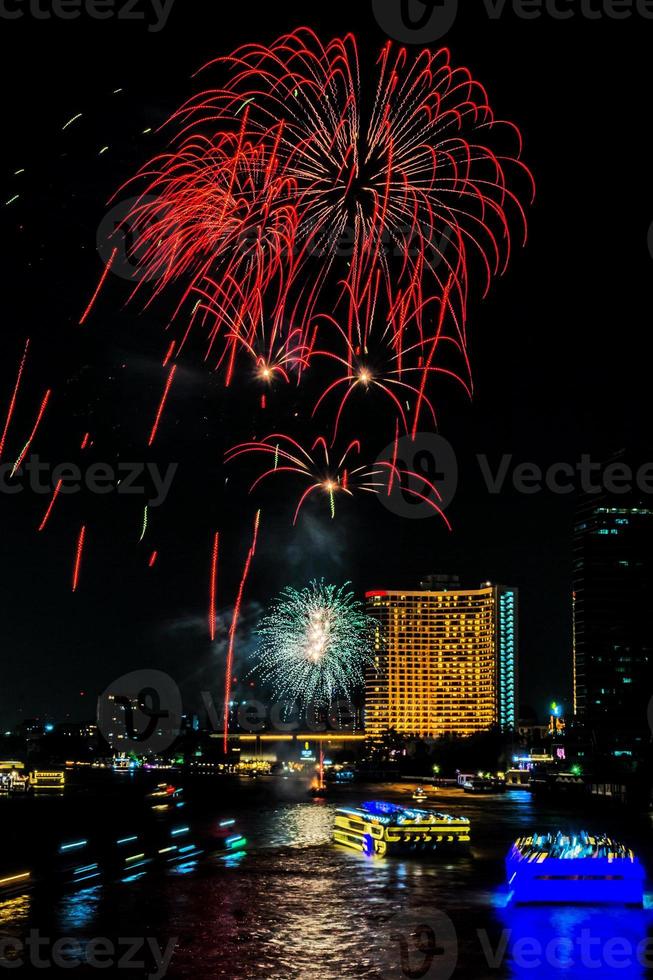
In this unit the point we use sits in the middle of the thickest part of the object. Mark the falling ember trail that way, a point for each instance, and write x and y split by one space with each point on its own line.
73 119
170 352
12 403
78 557
232 630
107 270
46 516
44 405
164 398
212 589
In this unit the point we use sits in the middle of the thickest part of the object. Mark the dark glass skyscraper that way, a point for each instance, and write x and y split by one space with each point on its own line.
613 613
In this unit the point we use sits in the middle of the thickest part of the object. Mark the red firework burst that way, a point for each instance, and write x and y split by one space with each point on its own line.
332 475
291 190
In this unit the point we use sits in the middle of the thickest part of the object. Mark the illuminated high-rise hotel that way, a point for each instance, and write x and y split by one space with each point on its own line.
445 661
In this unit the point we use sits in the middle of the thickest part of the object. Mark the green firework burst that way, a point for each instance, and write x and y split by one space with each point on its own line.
315 644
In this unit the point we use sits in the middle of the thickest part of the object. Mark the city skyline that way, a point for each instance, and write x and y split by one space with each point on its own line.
118 612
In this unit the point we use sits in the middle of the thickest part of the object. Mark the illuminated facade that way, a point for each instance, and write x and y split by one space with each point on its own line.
445 661
613 640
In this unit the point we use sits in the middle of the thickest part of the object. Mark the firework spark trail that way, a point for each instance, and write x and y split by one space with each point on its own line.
164 398
232 630
14 396
144 527
169 353
39 417
78 557
85 440
153 558
213 585
46 516
315 645
98 288
71 121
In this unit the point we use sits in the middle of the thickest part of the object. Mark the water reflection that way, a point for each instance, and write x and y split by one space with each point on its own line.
567 941
299 825
296 905
77 910
14 912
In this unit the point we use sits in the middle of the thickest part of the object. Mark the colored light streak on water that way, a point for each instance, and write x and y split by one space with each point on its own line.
14 397
232 858
136 861
184 869
126 840
12 880
213 585
162 403
98 288
46 516
233 628
86 873
73 846
177 831
39 417
78 557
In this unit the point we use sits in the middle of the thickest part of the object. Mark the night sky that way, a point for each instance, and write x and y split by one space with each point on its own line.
557 354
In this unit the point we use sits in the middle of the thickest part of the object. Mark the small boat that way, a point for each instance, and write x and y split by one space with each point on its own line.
381 828
318 786
478 785
570 868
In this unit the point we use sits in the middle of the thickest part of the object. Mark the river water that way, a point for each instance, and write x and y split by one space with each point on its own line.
296 906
